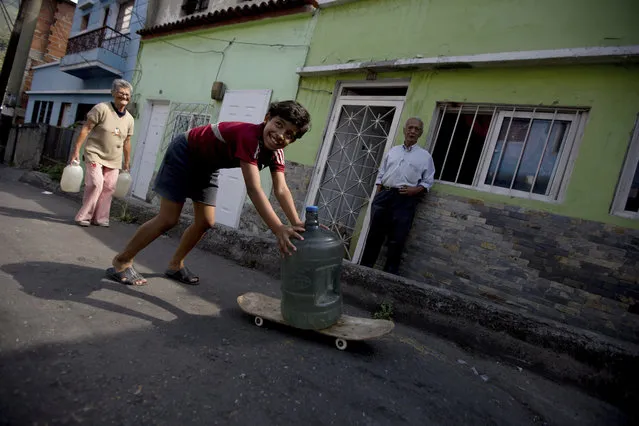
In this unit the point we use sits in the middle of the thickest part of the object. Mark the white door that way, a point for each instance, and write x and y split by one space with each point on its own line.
249 106
359 133
148 149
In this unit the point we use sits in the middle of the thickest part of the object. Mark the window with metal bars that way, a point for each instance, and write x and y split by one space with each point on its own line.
41 112
626 201
522 151
185 116
185 121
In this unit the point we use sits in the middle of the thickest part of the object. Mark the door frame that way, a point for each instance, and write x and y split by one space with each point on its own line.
327 143
141 140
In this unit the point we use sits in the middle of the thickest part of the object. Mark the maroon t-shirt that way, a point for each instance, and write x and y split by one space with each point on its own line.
223 145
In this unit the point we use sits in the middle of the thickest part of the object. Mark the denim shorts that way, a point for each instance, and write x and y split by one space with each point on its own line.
180 178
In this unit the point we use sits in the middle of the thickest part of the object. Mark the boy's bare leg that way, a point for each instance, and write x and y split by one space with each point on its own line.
204 219
147 233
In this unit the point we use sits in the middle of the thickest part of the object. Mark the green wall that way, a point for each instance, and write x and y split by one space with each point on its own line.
612 93
383 29
182 68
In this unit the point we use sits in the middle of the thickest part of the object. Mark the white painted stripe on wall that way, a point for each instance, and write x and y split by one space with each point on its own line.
536 57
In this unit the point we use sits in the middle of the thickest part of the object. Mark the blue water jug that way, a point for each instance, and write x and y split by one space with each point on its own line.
311 292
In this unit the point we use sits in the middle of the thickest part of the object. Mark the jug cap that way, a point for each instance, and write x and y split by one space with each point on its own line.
311 209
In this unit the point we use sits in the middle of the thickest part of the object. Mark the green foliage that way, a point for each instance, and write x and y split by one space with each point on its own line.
385 311
54 171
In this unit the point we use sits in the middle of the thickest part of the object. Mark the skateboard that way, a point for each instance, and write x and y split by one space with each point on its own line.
347 328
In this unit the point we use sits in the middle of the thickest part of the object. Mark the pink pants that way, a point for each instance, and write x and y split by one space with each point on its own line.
99 185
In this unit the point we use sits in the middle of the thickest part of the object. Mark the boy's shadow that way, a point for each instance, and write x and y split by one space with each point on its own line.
68 282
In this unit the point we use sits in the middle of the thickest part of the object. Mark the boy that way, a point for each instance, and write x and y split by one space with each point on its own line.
190 170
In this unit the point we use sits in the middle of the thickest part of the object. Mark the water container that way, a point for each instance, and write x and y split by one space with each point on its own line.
311 292
123 185
72 177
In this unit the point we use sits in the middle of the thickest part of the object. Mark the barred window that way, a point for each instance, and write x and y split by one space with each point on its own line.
626 201
521 151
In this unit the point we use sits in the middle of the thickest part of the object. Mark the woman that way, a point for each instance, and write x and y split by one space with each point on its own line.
108 131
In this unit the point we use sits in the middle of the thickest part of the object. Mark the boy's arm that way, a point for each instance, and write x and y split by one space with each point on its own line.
284 197
260 201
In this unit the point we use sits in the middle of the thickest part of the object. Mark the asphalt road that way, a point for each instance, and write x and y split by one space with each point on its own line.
77 348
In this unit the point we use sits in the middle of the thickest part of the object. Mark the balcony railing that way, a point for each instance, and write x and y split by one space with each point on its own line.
106 38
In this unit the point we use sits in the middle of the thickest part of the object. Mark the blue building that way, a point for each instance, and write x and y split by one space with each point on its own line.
103 46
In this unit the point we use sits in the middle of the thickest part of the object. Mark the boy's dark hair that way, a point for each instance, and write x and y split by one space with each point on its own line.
294 113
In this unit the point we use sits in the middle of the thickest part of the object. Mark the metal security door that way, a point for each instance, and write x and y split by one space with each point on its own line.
359 133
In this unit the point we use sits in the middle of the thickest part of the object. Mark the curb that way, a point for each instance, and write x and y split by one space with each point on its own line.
599 364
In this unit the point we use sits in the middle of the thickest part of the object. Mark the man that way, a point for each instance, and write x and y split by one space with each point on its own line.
406 174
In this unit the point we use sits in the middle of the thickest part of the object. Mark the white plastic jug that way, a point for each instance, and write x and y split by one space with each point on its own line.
123 185
72 177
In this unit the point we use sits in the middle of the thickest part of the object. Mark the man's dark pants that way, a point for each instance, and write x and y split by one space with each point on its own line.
391 217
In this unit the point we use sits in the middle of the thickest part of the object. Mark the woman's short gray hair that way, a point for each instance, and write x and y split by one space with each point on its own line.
121 84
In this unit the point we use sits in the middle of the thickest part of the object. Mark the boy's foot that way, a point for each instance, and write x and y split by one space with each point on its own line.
120 267
102 224
183 275
127 277
83 223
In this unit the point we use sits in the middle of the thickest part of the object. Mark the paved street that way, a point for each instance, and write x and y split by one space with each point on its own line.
76 348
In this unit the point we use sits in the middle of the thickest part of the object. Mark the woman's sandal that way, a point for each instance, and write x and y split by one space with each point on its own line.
127 277
183 275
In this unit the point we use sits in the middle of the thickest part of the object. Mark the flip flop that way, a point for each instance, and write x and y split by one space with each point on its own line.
183 275
127 277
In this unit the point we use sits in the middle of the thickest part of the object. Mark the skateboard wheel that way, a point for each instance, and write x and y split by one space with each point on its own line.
259 321
341 344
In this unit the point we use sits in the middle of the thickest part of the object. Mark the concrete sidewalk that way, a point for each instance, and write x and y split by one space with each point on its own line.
595 362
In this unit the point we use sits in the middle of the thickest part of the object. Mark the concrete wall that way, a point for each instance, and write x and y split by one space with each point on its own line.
51 78
28 145
384 29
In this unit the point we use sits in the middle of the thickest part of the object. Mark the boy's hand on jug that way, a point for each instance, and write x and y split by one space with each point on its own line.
284 235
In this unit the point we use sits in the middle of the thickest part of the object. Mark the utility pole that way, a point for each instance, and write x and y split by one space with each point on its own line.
15 60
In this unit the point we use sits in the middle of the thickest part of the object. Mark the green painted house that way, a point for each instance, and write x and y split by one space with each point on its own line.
531 116
530 111
207 61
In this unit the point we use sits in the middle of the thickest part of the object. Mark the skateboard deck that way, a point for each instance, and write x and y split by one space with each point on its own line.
347 327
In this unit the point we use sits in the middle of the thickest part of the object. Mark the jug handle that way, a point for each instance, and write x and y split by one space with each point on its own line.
75 163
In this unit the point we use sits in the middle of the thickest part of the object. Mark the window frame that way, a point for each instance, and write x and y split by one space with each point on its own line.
44 109
630 164
86 18
120 18
563 168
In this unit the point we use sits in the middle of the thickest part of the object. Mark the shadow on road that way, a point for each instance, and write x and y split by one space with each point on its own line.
68 282
28 214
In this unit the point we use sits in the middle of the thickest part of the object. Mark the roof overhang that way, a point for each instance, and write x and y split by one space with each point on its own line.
231 15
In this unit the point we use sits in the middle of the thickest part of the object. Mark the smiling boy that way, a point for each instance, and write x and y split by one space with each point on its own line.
190 169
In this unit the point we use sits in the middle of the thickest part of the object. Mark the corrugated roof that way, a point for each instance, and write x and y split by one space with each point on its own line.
233 13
